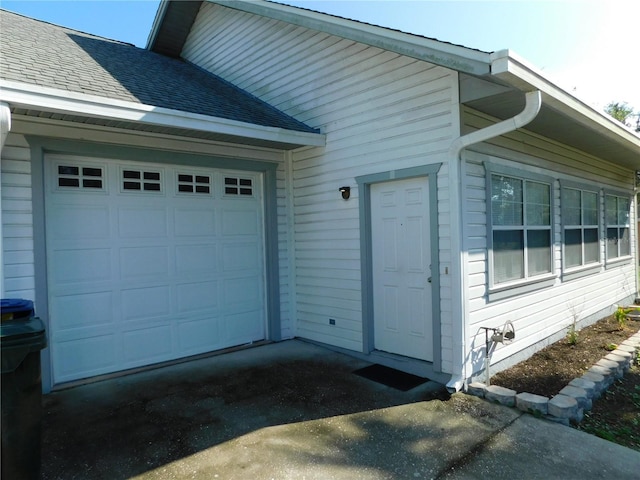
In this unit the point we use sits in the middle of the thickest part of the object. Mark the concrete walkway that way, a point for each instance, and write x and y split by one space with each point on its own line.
296 411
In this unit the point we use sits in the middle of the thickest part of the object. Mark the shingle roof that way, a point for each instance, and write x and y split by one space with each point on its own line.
47 55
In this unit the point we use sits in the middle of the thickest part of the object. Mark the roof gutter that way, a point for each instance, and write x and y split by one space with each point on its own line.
71 103
533 102
517 72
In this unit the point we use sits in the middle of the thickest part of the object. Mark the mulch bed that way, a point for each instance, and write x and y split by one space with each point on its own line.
551 369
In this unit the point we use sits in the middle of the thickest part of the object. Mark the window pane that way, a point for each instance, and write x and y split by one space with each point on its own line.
612 242
539 251
623 211
612 210
508 255
573 247
571 210
538 204
506 200
624 243
590 208
591 245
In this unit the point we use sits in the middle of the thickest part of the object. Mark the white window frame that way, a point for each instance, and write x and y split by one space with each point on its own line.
608 194
584 268
528 282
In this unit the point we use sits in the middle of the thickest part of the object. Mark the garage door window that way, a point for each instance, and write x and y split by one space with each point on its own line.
238 186
82 177
197 184
141 180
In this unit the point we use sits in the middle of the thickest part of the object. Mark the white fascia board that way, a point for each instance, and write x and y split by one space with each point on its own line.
455 57
22 95
511 68
157 21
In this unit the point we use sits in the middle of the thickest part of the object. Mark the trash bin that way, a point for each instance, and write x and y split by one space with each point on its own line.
22 336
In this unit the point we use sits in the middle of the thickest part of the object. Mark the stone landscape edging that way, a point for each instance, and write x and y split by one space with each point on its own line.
574 399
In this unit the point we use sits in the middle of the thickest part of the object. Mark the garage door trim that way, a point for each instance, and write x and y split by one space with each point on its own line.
42 146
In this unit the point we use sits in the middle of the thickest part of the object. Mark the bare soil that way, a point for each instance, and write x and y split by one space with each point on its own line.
616 415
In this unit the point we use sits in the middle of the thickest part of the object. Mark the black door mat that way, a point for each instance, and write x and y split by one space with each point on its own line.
391 377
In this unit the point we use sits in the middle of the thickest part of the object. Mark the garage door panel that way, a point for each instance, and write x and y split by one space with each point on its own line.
198 336
241 327
239 222
84 357
147 345
143 276
140 222
239 292
79 222
86 310
81 265
136 262
143 303
240 256
192 297
196 259
194 222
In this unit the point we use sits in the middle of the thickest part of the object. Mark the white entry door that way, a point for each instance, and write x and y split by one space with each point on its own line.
402 268
150 262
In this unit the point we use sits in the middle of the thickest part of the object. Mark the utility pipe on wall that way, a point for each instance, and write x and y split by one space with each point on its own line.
5 127
533 102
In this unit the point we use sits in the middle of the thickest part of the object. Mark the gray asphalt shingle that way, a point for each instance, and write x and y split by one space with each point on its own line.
47 55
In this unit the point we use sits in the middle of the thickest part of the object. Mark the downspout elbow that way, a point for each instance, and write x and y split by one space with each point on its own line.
533 103
5 123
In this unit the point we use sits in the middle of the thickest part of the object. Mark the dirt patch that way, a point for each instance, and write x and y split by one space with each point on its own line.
616 415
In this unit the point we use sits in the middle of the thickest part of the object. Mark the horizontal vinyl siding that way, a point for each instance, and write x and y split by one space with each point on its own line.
379 111
17 219
540 316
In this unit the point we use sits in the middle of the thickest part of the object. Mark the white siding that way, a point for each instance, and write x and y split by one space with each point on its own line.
17 219
380 111
539 315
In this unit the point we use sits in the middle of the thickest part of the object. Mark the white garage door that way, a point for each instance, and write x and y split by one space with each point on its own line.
150 262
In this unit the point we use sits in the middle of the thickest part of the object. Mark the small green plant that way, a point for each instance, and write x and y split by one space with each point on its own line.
572 334
610 347
621 317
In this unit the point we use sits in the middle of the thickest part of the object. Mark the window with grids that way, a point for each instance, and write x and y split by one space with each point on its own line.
197 184
141 180
238 186
82 177
520 224
580 227
617 219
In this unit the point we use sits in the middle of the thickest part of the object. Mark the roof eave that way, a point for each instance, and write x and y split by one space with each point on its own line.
21 95
444 54
513 70
157 22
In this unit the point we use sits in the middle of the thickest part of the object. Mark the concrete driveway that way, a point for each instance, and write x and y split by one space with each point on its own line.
296 411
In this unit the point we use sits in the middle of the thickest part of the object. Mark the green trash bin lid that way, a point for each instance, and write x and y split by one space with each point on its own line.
20 333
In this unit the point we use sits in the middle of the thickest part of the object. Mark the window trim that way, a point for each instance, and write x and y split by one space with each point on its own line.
523 285
629 197
569 273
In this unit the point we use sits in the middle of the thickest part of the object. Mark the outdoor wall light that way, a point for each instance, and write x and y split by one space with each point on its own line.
346 192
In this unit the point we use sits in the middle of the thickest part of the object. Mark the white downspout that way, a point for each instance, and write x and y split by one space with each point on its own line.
5 127
459 329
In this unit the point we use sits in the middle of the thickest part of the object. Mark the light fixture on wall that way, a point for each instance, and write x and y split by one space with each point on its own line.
346 192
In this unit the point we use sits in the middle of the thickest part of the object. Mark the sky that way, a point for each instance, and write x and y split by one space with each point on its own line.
587 47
